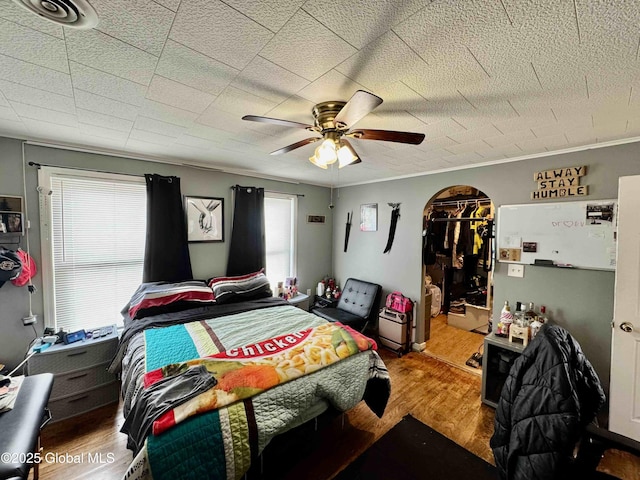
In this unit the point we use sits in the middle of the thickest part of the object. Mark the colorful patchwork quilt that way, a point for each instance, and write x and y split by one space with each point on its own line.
222 442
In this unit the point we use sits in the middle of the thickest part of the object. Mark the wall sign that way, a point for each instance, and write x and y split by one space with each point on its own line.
560 182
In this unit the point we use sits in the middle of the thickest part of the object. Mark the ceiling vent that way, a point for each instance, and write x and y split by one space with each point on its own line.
68 13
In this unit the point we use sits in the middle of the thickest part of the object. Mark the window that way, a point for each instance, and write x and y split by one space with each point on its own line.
93 237
280 214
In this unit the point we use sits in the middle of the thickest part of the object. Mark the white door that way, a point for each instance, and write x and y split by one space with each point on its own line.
624 390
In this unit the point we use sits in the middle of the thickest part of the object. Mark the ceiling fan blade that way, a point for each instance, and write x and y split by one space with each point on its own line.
277 121
359 105
347 144
387 136
293 146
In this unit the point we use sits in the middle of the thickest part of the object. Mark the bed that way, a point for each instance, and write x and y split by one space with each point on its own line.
223 442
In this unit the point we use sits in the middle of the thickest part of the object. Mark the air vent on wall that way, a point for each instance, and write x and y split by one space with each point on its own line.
68 13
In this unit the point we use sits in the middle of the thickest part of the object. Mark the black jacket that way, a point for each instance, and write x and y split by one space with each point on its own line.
551 394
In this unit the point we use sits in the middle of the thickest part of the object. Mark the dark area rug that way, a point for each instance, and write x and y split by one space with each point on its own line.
413 450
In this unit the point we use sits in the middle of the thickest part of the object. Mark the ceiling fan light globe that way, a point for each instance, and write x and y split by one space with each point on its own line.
345 156
326 152
313 160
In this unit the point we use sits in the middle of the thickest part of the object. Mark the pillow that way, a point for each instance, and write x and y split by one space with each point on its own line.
242 287
161 297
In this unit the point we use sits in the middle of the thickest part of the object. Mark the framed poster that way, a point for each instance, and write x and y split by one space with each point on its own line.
318 219
369 217
205 219
11 215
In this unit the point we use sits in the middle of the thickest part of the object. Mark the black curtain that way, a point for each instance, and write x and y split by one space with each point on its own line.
247 251
166 255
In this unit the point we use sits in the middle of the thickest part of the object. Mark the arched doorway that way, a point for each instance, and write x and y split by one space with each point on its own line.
457 266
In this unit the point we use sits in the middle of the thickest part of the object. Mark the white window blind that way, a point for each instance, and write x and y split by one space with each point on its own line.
280 219
97 239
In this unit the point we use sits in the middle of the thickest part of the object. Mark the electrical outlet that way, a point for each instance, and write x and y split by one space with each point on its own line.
29 320
515 270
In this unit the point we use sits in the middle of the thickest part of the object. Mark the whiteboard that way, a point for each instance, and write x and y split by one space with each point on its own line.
567 234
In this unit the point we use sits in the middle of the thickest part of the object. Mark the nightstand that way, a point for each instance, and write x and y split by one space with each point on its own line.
81 381
301 301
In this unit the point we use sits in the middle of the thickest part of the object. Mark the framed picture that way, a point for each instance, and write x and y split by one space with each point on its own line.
316 219
369 217
205 219
11 214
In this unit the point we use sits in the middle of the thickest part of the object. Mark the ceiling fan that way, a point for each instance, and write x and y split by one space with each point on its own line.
333 120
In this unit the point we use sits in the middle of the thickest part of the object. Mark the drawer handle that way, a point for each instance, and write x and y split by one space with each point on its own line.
76 354
77 376
79 398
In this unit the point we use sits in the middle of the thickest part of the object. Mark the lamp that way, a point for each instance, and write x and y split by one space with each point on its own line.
346 155
333 149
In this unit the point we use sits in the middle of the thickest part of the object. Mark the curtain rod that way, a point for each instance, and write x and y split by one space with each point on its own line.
39 165
233 187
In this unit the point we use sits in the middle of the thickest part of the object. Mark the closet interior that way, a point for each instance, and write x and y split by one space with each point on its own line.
457 256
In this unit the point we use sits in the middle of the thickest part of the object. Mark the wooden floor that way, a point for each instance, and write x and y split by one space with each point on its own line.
453 345
444 397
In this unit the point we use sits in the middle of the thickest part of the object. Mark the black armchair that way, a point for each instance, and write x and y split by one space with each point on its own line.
358 305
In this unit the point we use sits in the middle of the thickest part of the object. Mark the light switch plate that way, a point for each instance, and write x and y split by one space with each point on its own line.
516 270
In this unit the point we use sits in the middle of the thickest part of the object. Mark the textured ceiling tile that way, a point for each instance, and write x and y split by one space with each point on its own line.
33 75
170 4
166 113
272 14
9 128
466 147
51 131
38 113
17 14
192 68
218 31
35 97
102 52
241 103
509 139
156 126
306 47
359 23
31 46
399 97
548 27
177 95
386 60
150 137
106 106
7 113
202 131
97 131
511 150
475 134
94 81
223 121
331 86
295 108
148 149
268 80
441 128
104 121
194 142
610 25
142 23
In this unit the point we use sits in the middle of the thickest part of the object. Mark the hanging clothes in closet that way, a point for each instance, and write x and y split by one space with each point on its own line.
457 241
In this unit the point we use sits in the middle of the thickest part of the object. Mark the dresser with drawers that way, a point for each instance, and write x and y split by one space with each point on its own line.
81 380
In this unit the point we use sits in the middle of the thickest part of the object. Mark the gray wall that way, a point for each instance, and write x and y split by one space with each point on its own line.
579 300
208 259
